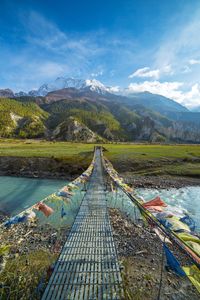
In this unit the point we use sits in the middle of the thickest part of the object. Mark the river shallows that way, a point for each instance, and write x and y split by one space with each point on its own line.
187 197
18 193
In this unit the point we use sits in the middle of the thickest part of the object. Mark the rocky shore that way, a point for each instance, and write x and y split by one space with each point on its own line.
140 253
159 182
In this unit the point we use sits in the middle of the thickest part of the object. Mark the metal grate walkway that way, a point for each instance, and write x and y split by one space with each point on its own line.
88 267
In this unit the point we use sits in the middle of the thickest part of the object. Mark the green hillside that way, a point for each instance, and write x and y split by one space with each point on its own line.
24 120
95 116
98 118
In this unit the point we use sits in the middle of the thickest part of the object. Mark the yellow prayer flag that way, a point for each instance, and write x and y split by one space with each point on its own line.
193 274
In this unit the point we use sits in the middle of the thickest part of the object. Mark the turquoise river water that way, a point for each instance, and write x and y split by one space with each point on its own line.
187 198
18 193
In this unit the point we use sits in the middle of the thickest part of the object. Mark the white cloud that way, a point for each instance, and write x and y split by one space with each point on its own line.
43 33
167 89
170 90
51 69
194 62
114 89
186 69
180 42
167 69
100 73
192 97
146 72
83 55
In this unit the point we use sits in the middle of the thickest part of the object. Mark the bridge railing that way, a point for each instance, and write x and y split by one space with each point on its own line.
126 200
126 190
32 240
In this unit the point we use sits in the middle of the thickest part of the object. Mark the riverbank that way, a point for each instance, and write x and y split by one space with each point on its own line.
140 253
70 172
41 167
159 182
51 168
142 165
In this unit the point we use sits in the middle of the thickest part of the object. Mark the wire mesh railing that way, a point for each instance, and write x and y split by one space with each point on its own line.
32 240
88 267
173 253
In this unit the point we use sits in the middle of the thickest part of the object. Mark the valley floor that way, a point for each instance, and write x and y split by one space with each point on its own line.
143 165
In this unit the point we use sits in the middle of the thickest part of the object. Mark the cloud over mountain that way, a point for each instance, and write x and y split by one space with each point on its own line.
146 72
189 98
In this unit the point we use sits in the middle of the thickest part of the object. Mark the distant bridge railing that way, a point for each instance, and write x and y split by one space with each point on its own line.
32 240
118 181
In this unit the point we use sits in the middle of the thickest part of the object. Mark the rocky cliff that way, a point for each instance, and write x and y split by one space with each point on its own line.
73 130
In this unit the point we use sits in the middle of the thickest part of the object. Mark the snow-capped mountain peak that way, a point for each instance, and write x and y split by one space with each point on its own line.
62 82
96 85
68 82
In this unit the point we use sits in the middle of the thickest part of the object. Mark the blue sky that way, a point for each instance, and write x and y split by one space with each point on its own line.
148 45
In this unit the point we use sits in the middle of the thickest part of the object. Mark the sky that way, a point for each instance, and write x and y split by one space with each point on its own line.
131 45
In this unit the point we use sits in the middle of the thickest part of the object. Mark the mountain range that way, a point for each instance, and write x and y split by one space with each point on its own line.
86 110
61 83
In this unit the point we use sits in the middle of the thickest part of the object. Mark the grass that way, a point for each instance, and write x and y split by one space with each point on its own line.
142 159
146 152
22 274
186 169
39 148
74 153
181 169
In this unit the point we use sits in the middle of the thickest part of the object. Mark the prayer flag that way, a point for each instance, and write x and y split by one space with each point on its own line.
172 262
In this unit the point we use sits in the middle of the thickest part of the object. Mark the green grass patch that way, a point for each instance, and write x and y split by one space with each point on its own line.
146 152
39 148
22 274
143 159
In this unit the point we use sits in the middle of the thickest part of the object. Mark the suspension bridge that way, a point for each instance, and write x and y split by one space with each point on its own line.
88 266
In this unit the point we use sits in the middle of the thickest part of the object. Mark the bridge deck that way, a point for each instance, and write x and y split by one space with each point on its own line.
88 267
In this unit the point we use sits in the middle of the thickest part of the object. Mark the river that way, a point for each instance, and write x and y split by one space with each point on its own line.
187 197
17 193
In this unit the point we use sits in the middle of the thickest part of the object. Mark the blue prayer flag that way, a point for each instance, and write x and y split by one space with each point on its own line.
189 221
63 213
172 262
